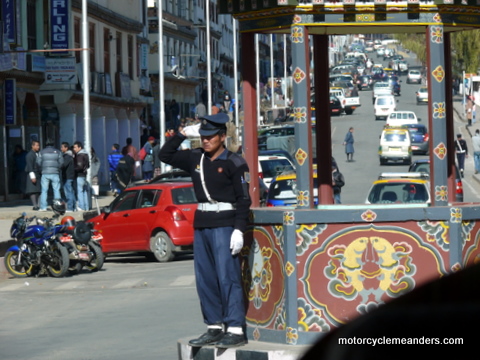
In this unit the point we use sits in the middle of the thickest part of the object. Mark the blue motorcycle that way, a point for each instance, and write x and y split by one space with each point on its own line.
38 249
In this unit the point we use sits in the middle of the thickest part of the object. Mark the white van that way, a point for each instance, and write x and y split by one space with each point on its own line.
399 118
395 145
383 106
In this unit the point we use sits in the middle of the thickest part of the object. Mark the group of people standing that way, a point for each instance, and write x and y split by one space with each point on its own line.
65 170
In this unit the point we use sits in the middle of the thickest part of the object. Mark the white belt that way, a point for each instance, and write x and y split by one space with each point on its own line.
219 206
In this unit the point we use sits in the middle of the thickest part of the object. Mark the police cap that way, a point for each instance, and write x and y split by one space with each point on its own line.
212 124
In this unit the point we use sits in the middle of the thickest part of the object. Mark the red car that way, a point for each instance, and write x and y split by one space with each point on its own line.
154 218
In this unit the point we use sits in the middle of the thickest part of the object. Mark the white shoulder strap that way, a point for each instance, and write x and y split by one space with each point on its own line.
202 178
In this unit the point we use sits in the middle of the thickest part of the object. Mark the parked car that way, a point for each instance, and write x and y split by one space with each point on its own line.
402 117
283 190
154 219
384 106
264 134
422 95
395 145
399 188
272 166
414 77
419 137
423 165
276 152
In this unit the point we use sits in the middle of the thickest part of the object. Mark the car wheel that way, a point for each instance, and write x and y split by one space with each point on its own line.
408 161
161 247
349 112
383 161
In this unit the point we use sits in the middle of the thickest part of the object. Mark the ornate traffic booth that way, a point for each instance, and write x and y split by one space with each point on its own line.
309 269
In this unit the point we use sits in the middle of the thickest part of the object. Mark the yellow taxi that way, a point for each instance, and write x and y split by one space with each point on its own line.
283 190
400 188
395 145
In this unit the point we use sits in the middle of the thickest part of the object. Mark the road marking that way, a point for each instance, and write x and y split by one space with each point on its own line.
127 283
184 280
13 287
71 285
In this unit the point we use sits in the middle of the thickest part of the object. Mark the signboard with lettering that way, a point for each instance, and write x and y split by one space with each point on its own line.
10 101
8 11
60 71
59 24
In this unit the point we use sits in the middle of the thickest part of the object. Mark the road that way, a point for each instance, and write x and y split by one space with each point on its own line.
360 174
132 309
137 309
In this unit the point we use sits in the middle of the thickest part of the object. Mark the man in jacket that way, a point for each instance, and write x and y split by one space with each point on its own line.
50 161
82 163
476 150
113 159
33 187
462 152
68 175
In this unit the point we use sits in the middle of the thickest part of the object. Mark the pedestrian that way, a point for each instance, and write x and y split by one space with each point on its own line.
19 163
82 163
125 170
68 176
33 186
469 108
201 110
462 152
157 164
113 159
50 161
348 143
133 152
227 100
476 150
219 177
175 114
338 181
93 188
147 166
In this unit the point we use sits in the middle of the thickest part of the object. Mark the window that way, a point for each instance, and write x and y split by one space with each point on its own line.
130 55
76 39
119 52
106 51
31 24
91 45
147 199
184 195
125 201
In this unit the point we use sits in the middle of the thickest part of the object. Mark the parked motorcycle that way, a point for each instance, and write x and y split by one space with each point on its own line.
38 249
83 245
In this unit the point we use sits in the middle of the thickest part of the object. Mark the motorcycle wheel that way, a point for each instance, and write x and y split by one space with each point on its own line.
62 261
19 271
97 261
75 268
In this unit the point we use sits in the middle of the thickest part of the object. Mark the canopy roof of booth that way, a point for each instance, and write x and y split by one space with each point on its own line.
350 16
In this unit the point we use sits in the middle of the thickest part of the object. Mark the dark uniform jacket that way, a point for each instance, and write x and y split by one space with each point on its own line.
68 168
225 178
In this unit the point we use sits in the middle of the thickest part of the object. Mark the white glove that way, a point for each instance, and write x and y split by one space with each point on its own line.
236 241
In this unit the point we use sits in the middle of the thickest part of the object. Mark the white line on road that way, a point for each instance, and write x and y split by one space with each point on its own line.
127 283
71 285
184 280
13 287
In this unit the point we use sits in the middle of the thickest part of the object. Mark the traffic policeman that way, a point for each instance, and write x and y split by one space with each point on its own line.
220 182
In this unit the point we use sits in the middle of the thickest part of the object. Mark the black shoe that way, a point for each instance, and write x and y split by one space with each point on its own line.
36 208
209 338
231 340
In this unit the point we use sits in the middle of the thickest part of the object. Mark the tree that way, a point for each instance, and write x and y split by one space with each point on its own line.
465 49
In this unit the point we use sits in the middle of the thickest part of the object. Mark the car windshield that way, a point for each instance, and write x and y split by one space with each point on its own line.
385 101
417 130
398 192
286 189
274 167
395 136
